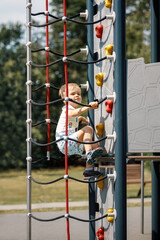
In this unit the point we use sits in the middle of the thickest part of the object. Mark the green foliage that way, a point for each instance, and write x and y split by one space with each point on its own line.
76 39
138 29
12 97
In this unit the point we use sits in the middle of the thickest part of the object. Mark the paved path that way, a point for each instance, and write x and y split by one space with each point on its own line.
13 226
44 205
134 223
60 205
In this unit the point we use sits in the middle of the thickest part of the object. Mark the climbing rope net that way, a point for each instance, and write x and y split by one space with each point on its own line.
65 59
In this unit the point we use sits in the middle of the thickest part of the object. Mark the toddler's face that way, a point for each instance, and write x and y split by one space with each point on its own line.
75 94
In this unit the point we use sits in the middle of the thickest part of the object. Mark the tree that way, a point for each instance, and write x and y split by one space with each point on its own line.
76 39
12 98
138 29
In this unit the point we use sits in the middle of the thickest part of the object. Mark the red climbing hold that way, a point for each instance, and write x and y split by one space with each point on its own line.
99 30
109 106
100 233
101 237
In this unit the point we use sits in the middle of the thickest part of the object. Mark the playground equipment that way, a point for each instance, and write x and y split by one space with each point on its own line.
109 44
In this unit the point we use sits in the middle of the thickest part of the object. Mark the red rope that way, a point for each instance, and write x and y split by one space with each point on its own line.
47 79
66 131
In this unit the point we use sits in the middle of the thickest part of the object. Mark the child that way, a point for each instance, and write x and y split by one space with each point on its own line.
85 134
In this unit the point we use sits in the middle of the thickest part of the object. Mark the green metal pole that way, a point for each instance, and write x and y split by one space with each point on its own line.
155 57
120 120
91 112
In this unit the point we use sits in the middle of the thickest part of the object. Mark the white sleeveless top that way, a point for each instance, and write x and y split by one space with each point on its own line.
72 123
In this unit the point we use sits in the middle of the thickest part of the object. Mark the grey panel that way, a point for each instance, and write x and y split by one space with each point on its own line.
143 106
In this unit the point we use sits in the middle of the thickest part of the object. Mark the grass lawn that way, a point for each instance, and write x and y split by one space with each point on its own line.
13 186
132 189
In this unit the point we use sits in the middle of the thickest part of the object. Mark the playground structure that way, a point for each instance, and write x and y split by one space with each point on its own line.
108 82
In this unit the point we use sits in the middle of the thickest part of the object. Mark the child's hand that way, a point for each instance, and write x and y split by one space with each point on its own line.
81 118
94 105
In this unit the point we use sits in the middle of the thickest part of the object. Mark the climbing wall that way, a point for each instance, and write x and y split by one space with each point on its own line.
105 199
104 115
143 105
103 74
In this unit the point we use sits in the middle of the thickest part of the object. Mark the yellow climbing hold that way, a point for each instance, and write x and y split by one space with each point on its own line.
100 129
109 49
100 184
110 219
108 3
99 79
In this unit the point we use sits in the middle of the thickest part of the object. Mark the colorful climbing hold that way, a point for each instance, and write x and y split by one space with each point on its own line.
108 3
99 30
99 79
100 129
109 49
109 106
100 184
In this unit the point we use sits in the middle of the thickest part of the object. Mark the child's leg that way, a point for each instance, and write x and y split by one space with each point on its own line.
95 145
89 165
85 135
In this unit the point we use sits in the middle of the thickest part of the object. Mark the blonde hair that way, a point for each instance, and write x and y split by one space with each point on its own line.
62 90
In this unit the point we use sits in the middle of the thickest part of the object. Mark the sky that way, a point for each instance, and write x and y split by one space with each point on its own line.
15 10
12 11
